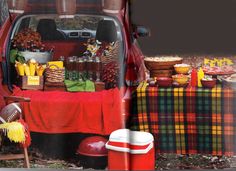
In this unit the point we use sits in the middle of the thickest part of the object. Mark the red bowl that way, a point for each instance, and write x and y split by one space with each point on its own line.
164 81
93 146
208 83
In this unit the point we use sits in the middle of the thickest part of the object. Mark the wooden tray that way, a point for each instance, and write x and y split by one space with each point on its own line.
48 86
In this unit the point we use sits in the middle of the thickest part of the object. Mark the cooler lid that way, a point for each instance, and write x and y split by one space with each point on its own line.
131 137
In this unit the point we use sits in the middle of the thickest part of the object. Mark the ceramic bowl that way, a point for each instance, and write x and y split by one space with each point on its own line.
180 79
208 83
164 81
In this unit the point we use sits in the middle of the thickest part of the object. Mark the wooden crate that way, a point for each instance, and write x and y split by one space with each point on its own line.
54 86
99 86
31 82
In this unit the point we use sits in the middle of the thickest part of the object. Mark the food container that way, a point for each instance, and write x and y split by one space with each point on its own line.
164 81
152 82
130 150
208 83
159 63
180 79
93 153
182 68
230 82
41 57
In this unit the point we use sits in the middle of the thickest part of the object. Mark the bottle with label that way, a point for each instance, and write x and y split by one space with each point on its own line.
200 75
98 69
194 78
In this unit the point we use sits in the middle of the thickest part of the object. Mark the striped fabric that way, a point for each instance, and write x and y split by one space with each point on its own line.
187 120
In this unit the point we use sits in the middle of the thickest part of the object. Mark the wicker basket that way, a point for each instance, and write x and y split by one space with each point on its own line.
55 75
112 55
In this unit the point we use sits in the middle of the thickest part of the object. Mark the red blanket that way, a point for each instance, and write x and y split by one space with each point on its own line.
65 112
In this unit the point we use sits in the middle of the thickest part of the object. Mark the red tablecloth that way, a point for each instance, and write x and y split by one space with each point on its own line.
65 112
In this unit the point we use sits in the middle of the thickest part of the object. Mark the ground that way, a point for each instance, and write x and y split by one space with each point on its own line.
163 161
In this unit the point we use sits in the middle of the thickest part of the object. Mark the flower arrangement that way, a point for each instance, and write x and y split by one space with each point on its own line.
96 48
26 40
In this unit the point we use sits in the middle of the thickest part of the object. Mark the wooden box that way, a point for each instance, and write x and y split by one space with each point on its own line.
54 86
99 86
31 82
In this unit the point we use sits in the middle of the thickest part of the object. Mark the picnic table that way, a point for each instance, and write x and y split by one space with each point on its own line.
186 120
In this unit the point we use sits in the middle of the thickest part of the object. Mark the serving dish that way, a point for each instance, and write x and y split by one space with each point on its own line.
230 81
208 83
182 68
164 62
164 81
41 57
180 79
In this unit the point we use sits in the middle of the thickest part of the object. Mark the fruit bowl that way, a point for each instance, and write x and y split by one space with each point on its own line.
182 68
164 81
208 83
180 79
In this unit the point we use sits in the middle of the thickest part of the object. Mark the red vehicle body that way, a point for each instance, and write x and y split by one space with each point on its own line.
133 57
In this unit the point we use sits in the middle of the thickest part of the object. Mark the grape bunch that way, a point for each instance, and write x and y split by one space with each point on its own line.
110 74
28 39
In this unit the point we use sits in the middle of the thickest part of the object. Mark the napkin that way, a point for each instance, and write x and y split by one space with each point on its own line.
80 86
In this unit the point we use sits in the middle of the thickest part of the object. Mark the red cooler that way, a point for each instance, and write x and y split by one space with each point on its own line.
130 150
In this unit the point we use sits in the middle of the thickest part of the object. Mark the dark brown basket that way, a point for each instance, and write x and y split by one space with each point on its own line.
161 65
55 75
113 55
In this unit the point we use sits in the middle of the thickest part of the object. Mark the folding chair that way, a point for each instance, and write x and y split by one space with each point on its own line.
9 113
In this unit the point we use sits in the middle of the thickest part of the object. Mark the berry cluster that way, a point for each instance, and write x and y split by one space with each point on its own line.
110 74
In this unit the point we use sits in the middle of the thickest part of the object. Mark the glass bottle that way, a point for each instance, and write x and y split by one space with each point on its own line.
90 68
98 68
194 79
200 75
80 68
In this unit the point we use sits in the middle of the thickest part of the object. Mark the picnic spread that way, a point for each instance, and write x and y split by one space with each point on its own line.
191 113
69 94
188 106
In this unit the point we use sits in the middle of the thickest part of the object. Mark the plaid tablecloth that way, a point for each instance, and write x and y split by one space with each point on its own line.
186 120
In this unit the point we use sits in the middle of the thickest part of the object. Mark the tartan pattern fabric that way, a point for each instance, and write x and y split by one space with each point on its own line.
186 120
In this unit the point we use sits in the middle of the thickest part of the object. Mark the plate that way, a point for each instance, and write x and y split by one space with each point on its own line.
220 73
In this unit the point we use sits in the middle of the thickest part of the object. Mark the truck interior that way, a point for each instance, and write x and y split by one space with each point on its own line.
69 36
